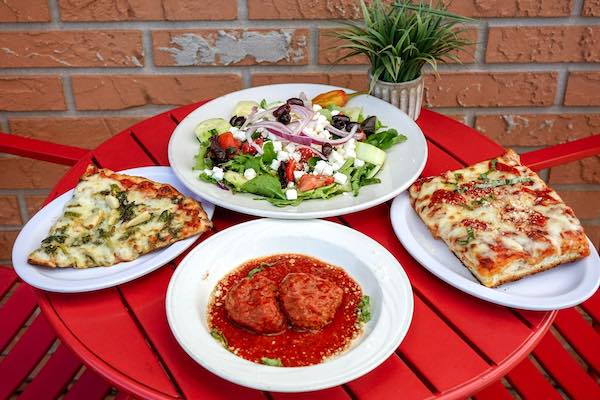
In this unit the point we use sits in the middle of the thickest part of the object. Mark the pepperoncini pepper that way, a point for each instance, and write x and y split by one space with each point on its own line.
334 98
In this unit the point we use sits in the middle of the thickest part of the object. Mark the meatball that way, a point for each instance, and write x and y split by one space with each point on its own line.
252 303
309 301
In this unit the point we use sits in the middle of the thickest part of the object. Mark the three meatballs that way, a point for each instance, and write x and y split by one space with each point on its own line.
308 301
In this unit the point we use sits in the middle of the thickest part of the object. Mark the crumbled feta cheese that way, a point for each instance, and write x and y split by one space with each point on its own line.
238 134
290 184
259 110
217 173
276 145
290 147
320 166
350 153
358 162
340 178
283 156
334 112
208 172
298 174
296 156
350 144
291 194
275 164
316 107
328 170
335 157
250 173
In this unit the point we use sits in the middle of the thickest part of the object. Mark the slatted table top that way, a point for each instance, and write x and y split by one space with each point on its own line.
456 344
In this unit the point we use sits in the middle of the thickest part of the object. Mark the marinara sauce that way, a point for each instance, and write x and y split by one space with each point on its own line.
293 348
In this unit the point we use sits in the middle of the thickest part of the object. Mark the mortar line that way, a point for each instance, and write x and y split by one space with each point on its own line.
148 52
68 94
242 10
54 14
22 207
561 86
577 8
482 41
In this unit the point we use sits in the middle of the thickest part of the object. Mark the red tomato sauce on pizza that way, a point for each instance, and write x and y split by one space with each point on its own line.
286 310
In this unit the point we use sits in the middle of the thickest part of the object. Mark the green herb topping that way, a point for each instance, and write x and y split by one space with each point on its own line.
272 362
364 309
219 337
470 236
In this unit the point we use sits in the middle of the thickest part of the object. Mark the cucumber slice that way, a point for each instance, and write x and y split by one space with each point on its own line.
352 112
369 153
235 178
204 130
244 108
374 171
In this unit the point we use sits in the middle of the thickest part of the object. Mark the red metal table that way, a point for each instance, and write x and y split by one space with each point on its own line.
456 345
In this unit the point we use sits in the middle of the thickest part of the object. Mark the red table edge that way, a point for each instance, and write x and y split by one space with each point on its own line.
136 388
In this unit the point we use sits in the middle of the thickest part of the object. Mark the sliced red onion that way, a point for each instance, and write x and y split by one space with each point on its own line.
304 140
273 125
334 142
256 116
305 100
302 111
339 132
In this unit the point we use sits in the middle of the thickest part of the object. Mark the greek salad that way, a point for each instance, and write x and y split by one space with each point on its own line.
289 151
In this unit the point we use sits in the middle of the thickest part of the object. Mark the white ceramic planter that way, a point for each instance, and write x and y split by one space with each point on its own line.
407 96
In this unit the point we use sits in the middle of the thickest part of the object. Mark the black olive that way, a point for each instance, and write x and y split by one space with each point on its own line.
341 117
368 125
284 118
281 174
295 100
338 124
237 121
217 153
326 149
351 125
283 109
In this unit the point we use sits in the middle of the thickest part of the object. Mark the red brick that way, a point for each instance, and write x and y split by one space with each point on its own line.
231 47
328 55
593 232
512 8
25 93
9 210
71 49
582 171
24 173
87 132
117 92
583 89
147 10
478 89
302 9
349 9
7 240
24 11
591 8
537 129
584 203
543 44
34 204
356 81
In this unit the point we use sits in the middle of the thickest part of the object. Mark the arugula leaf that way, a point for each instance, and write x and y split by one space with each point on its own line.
272 362
264 185
261 267
364 309
263 104
359 178
385 139
242 162
378 124
313 161
470 236
206 178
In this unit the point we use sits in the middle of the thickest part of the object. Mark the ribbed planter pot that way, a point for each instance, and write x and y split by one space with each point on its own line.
407 96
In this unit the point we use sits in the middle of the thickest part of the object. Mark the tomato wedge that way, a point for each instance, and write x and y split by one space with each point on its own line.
305 154
290 167
309 182
248 149
226 141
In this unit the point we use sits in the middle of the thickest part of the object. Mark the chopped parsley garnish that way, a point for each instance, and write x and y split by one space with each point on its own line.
126 208
260 268
55 238
501 182
272 362
72 214
219 337
470 236
166 216
364 309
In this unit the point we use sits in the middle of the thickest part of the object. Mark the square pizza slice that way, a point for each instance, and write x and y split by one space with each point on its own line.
500 219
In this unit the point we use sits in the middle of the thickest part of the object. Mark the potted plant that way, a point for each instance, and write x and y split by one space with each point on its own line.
399 39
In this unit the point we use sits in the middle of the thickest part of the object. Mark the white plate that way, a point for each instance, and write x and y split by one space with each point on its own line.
561 287
404 162
70 280
373 267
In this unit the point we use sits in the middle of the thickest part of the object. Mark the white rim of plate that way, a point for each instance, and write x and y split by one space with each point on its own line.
296 379
272 211
401 206
29 272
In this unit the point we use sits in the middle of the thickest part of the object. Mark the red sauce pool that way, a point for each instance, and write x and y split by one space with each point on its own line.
292 347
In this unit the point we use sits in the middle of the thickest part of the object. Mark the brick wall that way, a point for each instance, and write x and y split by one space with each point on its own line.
79 71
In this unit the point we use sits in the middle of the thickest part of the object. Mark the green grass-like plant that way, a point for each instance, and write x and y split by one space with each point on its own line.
400 38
